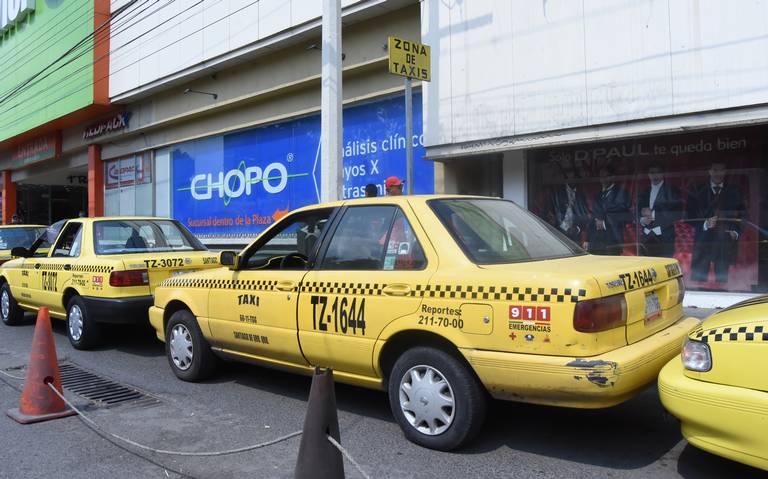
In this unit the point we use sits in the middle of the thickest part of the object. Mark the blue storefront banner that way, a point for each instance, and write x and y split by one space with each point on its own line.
236 185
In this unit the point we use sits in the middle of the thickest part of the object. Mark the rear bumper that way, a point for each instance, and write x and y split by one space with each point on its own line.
725 420
592 382
132 310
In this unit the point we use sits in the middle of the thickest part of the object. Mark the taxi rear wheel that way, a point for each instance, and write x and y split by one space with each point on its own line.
188 352
10 311
83 332
436 399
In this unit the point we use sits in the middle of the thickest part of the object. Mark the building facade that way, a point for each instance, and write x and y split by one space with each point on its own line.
208 112
55 72
224 104
636 128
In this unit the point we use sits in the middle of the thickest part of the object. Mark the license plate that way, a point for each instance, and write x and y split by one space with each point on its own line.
652 307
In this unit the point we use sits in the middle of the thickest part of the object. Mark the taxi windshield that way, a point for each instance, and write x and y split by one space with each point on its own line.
13 237
498 231
142 236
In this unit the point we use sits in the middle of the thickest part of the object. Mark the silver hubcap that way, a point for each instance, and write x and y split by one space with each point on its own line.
75 322
181 347
5 304
427 400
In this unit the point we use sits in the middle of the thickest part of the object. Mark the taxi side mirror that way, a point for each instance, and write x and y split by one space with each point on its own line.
230 259
20 252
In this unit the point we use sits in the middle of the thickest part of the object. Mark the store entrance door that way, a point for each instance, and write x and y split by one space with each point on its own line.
46 204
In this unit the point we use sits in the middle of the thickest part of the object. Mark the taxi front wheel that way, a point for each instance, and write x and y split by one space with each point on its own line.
83 332
189 354
436 399
11 312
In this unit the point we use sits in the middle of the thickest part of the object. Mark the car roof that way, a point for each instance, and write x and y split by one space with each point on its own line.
392 199
23 226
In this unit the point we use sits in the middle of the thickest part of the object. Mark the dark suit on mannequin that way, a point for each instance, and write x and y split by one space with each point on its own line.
610 214
657 235
568 211
714 241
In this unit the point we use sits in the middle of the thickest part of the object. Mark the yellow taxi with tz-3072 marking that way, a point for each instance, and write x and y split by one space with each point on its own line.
719 387
98 270
437 299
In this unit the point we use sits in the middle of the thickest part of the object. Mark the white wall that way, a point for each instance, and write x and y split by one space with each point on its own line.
509 67
155 39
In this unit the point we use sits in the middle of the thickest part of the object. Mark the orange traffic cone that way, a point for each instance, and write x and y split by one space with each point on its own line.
38 401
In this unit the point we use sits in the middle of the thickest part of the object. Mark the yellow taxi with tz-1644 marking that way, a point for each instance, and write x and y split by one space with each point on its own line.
719 387
98 270
436 299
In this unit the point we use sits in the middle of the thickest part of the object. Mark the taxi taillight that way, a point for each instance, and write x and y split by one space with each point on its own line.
601 314
680 289
133 277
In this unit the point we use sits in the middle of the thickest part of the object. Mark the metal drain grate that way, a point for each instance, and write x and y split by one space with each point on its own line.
99 390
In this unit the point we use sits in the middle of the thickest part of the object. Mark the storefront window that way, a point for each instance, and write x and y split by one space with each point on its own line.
698 198
128 186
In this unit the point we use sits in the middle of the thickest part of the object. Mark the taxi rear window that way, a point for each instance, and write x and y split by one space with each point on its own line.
497 231
142 236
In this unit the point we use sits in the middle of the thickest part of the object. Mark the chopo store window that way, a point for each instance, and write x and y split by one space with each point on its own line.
698 198
128 186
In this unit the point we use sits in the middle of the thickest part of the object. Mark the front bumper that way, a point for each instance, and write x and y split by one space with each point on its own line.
594 382
132 310
725 420
156 320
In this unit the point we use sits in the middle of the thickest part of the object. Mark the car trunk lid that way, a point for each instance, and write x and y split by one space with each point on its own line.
161 266
650 288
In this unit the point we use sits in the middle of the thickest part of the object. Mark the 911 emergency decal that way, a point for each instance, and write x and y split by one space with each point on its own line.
347 316
530 318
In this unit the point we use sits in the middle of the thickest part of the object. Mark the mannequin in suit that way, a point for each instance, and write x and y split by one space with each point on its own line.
715 210
568 206
658 207
610 214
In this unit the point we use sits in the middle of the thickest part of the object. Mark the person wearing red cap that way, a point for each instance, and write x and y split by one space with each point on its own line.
394 186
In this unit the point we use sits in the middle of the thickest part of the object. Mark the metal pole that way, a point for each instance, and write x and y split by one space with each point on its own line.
409 135
332 180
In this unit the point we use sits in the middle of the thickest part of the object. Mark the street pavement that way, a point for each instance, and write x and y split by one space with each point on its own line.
243 405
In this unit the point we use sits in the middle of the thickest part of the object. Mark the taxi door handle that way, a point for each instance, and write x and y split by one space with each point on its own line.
37 265
286 285
67 267
397 290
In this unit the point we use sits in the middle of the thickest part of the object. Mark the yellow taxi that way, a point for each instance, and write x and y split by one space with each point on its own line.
13 236
719 387
98 270
437 299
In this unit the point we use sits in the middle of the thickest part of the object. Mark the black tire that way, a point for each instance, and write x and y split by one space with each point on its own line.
199 361
469 399
79 320
13 315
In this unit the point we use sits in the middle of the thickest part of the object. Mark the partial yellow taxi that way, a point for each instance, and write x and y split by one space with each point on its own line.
437 299
719 387
98 270
13 236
